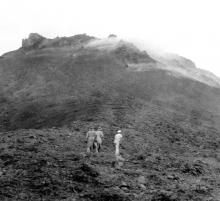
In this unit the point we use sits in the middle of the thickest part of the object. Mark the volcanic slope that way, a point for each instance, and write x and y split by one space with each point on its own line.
53 90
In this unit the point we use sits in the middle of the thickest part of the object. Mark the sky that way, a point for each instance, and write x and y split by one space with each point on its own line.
190 28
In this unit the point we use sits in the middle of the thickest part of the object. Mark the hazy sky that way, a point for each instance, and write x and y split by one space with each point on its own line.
190 28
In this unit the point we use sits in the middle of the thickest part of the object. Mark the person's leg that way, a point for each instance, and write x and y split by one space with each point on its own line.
96 147
89 145
88 148
99 147
117 149
99 142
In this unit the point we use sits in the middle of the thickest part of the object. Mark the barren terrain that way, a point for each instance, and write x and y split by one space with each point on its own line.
53 90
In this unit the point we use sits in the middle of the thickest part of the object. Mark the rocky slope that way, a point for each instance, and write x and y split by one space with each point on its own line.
52 90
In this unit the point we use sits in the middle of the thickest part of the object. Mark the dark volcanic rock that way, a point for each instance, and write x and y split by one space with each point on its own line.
33 41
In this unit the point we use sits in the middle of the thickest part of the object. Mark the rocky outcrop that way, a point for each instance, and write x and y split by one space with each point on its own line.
33 40
112 36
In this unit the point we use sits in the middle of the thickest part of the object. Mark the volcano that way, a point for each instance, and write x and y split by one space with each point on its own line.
53 90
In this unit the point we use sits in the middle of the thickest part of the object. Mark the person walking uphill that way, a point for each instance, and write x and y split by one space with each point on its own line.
98 139
90 137
117 141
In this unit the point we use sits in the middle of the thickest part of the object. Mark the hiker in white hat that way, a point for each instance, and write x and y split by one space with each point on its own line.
117 140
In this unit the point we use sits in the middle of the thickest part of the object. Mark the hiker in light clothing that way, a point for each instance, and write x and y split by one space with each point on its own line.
117 140
90 137
98 139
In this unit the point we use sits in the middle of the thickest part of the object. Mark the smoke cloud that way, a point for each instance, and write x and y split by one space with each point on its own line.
106 43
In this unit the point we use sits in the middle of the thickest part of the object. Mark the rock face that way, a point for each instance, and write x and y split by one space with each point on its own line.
33 40
112 36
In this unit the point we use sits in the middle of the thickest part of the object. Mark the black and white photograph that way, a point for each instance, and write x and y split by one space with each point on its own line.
110 100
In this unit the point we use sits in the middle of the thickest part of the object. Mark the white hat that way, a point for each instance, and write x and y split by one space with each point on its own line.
119 131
